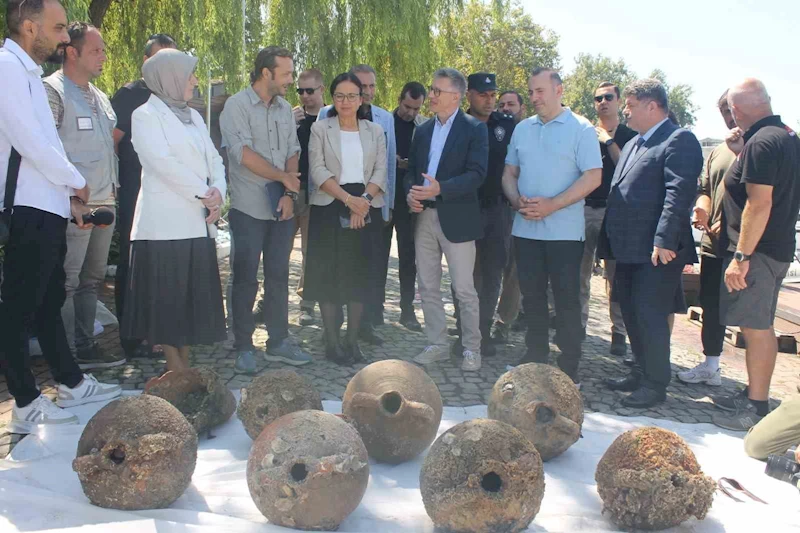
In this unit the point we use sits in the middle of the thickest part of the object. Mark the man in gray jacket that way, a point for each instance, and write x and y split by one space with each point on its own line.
85 121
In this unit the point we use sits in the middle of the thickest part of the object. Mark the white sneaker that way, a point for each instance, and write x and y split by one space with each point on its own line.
432 354
41 412
701 374
90 390
471 362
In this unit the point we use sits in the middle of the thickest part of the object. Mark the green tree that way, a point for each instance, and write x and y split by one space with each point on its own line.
496 38
589 72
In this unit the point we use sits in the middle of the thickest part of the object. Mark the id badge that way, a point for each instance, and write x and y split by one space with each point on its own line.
85 124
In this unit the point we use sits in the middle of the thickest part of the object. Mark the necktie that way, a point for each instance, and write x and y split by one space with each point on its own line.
632 157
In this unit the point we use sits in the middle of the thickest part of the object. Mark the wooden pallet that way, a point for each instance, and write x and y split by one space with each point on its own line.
786 343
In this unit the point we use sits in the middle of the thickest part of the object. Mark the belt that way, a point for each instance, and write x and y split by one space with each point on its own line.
595 203
428 204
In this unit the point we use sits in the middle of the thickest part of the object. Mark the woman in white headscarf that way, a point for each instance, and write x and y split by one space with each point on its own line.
174 297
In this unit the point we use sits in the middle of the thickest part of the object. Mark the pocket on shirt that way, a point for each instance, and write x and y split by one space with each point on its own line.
89 156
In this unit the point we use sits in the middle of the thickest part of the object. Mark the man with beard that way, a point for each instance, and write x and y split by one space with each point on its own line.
42 191
259 132
85 122
127 100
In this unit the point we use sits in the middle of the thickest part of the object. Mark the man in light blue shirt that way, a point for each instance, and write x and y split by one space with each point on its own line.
553 162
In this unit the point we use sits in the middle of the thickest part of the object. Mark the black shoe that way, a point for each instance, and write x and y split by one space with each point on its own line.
643 398
628 383
258 312
519 324
367 334
410 322
457 349
629 360
530 358
337 354
618 344
353 352
500 333
488 349
453 332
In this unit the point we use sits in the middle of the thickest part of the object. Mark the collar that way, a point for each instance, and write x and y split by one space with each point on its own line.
29 64
652 130
772 120
255 99
449 121
561 117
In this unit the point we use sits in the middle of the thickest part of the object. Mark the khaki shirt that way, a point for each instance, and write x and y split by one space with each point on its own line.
268 130
712 185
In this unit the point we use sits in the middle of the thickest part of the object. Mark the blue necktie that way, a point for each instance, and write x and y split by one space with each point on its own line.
631 158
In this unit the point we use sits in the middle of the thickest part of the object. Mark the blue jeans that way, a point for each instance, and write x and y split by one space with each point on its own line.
273 239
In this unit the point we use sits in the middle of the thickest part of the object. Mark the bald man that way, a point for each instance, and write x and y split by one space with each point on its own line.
760 206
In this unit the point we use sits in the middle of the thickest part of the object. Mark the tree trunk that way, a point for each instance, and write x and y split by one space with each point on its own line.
97 11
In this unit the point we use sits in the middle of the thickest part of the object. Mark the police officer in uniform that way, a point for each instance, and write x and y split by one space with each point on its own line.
493 249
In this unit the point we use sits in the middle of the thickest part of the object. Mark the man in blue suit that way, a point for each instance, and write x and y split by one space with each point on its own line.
446 166
647 230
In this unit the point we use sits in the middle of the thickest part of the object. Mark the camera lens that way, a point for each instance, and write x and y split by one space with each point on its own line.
782 467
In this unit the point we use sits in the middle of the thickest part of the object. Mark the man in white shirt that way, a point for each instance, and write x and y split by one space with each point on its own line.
49 191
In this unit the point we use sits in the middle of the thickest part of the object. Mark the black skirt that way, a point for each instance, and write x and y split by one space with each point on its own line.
339 262
174 295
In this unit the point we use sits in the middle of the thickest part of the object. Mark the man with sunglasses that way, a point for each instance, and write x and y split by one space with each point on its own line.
127 100
310 89
612 136
373 308
85 122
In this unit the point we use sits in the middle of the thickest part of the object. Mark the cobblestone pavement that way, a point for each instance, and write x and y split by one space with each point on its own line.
685 403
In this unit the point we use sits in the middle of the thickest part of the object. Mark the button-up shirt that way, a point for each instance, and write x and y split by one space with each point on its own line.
551 157
46 177
268 130
440 133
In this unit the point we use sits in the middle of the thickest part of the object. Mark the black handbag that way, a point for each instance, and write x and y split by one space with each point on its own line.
8 200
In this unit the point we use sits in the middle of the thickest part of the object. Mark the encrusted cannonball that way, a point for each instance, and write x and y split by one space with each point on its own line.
650 479
396 408
198 393
482 476
137 452
272 395
543 403
308 470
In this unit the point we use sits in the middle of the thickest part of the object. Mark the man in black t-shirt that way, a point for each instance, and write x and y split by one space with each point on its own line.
125 102
406 120
760 207
612 136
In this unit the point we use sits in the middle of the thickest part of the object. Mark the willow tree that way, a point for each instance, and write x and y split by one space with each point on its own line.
497 38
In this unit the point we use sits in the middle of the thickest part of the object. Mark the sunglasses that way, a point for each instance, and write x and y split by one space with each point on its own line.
608 97
308 91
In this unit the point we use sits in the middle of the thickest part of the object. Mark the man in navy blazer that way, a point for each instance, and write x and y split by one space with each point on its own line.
647 230
446 166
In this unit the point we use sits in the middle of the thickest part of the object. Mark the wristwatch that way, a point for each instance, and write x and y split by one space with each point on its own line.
610 141
292 195
740 257
367 196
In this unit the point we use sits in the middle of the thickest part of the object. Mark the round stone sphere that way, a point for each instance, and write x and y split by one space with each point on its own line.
138 452
650 479
272 395
396 408
482 476
198 393
543 403
308 470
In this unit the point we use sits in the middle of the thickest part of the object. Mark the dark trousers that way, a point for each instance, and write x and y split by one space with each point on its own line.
403 224
33 293
381 246
646 295
127 206
491 257
273 239
712 332
560 263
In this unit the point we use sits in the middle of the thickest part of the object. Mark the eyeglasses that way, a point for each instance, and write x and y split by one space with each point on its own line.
608 97
350 97
308 90
435 91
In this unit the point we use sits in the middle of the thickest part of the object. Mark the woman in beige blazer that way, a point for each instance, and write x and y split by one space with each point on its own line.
174 296
347 167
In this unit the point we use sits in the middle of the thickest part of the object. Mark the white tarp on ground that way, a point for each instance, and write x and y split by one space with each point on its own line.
40 492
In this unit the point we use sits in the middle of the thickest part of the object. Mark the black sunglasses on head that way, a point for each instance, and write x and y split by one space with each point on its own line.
308 91
609 97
